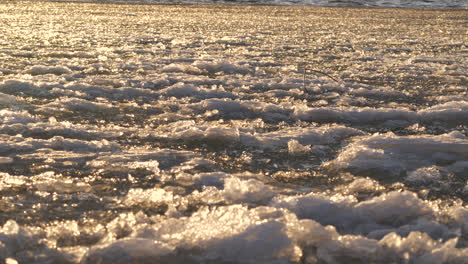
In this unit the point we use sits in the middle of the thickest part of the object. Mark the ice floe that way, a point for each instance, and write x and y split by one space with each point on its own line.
389 154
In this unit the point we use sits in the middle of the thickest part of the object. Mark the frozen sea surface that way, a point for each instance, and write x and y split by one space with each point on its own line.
335 3
229 134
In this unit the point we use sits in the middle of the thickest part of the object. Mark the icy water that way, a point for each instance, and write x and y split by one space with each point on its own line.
335 3
232 134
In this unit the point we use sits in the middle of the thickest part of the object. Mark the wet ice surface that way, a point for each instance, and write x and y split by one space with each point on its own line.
335 3
200 134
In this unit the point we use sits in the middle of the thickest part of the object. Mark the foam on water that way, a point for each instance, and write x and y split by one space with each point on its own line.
194 134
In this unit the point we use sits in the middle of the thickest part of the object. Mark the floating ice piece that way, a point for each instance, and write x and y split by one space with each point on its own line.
67 231
424 175
343 212
305 136
295 148
378 93
176 67
8 181
76 105
215 136
216 187
215 179
13 239
107 82
62 186
429 226
283 94
460 215
224 136
353 248
18 144
150 165
388 154
50 182
225 106
310 233
59 142
237 189
246 191
86 91
444 253
221 66
241 235
420 248
394 208
153 160
352 115
188 90
450 112
363 185
35 128
321 208
454 111
22 88
131 250
241 109
148 197
196 164
124 224
41 70
180 90
15 117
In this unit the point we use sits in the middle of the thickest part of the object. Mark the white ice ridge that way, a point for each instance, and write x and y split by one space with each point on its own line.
450 112
73 105
325 135
390 212
241 109
112 90
101 88
210 188
275 234
208 67
189 90
25 88
239 230
389 154
141 158
23 123
189 132
19 145
42 69
353 115
82 94
397 225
